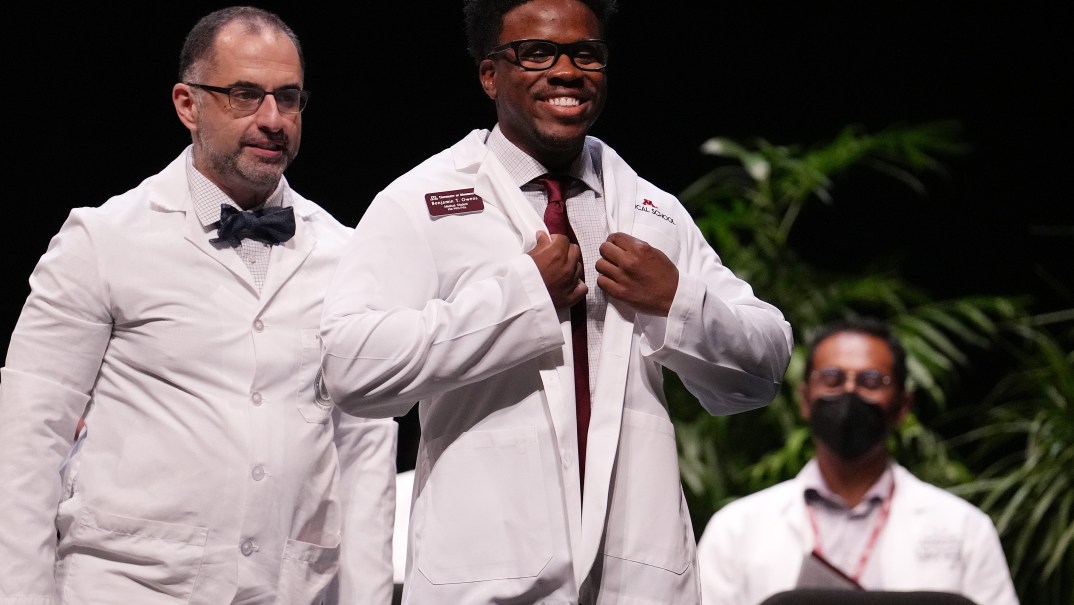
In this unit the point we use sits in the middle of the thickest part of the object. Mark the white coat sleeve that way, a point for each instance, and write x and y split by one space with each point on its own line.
986 577
729 347
718 565
392 339
52 362
367 450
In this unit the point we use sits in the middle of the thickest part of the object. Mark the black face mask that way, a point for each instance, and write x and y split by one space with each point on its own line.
848 424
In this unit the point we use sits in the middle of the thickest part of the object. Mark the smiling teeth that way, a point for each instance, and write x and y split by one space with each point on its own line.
564 101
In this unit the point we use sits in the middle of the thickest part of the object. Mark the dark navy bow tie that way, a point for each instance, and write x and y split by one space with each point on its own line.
269 225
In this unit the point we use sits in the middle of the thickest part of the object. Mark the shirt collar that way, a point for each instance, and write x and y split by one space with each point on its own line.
816 488
523 168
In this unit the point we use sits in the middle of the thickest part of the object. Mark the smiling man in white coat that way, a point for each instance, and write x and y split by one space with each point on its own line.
180 319
547 470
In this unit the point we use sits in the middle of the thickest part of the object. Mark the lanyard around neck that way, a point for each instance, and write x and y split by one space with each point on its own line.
885 509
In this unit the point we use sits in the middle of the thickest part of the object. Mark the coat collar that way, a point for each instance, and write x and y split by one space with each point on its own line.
169 191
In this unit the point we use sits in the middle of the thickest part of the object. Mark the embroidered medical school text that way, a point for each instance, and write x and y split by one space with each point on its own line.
648 207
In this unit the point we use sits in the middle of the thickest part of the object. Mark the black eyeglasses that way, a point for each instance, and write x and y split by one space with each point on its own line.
249 98
870 380
539 55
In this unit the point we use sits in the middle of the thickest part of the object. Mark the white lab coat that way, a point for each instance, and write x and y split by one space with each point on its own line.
209 457
452 312
933 540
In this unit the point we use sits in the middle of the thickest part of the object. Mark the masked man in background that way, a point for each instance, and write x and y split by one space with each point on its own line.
853 517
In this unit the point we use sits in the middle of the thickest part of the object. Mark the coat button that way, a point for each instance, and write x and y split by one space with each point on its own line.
258 473
247 548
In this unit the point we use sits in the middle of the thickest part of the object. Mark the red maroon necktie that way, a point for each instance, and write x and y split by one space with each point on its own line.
555 218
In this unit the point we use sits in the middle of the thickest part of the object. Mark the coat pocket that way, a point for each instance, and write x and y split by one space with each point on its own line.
305 571
109 558
661 235
483 511
648 519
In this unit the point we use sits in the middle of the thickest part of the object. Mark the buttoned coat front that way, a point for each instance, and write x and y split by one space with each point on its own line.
208 460
436 301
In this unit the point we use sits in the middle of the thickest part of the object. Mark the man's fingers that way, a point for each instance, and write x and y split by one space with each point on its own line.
579 292
611 251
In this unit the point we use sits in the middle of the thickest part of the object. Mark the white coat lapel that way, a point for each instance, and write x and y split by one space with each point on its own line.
287 257
170 192
795 516
620 190
196 234
498 189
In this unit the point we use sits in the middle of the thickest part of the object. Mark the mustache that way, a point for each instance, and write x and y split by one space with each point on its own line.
268 139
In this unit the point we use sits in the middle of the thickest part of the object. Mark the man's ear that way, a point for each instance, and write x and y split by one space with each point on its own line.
185 107
486 72
803 399
903 401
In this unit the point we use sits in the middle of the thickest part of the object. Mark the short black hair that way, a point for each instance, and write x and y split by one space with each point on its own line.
484 21
869 326
199 44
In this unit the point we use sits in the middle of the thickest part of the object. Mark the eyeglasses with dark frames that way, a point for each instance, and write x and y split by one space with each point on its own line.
832 378
539 55
249 98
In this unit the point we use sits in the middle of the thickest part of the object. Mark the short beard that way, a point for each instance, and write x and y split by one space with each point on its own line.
263 174
559 149
560 143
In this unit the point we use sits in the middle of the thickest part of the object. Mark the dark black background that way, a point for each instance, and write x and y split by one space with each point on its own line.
88 115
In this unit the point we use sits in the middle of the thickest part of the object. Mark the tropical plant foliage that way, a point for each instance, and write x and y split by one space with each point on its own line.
1025 450
1010 452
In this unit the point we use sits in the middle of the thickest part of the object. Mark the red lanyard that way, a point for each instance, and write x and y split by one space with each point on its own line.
869 545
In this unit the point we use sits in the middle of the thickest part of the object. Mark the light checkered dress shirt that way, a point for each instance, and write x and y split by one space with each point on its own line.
586 213
207 200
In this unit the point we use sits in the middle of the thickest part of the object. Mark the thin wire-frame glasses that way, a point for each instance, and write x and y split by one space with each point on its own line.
870 380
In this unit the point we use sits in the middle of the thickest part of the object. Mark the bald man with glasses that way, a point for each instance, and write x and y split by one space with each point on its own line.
179 321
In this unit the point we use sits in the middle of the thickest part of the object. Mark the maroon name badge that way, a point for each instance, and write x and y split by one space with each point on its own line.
461 201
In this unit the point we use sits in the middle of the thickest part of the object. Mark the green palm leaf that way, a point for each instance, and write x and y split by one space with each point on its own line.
1008 451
